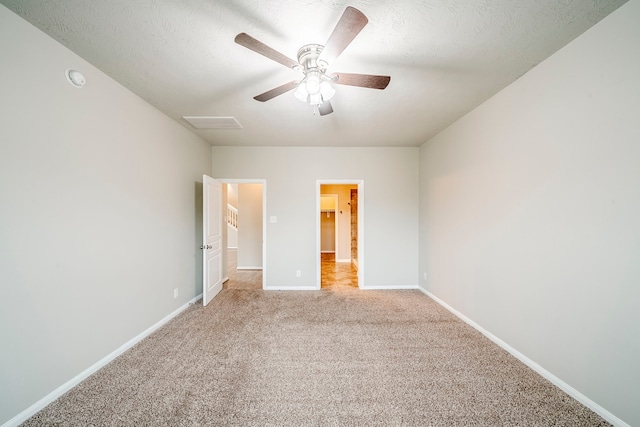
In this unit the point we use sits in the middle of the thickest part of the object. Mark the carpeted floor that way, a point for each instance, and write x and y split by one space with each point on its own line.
337 357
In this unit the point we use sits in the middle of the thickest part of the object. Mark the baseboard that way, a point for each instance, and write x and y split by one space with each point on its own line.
387 288
249 268
327 252
533 365
40 404
290 288
344 260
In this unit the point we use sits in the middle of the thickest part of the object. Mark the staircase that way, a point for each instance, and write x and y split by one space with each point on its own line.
232 227
232 217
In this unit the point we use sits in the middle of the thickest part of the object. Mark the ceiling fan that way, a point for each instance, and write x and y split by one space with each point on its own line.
314 60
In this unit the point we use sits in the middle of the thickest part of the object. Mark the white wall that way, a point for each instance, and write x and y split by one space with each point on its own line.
98 216
232 238
232 194
530 214
250 220
390 185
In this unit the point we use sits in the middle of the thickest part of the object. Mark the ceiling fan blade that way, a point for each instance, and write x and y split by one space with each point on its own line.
361 80
270 94
255 45
350 24
325 108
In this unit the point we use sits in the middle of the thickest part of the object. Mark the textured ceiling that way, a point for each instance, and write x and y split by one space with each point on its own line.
444 57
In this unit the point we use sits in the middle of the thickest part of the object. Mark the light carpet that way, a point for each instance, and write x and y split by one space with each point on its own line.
337 357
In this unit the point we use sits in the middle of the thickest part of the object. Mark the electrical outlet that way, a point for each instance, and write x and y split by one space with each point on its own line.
175 293
298 273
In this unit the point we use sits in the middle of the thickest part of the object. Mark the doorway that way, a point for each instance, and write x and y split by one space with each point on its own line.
244 263
339 234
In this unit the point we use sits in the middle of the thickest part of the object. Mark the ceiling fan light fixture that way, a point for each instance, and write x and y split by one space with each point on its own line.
313 89
312 82
327 91
316 86
315 99
301 92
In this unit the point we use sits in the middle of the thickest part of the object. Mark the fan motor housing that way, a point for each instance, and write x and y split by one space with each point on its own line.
308 57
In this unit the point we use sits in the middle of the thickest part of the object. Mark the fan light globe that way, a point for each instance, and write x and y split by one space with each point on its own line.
327 91
315 99
312 82
301 92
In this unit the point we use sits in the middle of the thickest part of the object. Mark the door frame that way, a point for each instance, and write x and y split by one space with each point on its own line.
361 260
264 223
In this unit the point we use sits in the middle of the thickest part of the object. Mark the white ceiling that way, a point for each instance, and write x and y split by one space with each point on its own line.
444 57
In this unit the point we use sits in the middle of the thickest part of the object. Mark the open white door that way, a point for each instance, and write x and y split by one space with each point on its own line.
211 238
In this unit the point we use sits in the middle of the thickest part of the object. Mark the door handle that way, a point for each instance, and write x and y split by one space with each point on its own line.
206 247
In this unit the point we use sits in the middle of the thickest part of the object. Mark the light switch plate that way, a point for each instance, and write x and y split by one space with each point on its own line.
273 219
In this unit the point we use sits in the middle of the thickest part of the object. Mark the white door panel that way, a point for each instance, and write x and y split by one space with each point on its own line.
212 238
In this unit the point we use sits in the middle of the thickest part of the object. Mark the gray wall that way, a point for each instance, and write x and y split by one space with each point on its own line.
98 216
390 203
530 214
